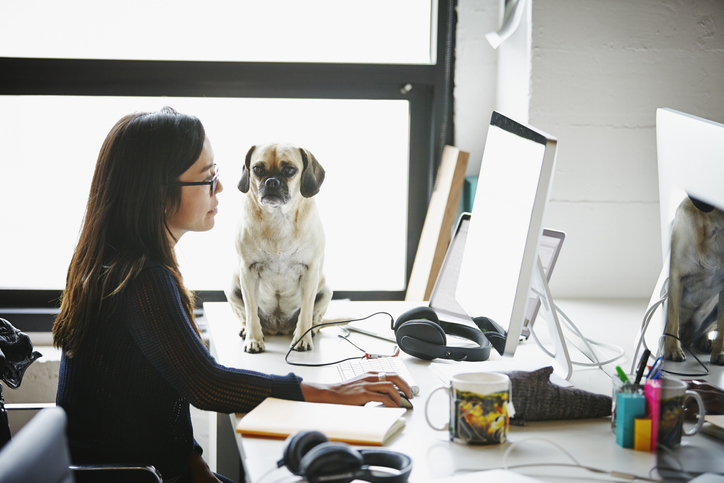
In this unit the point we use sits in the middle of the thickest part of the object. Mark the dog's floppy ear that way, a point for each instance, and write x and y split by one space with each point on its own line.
701 205
312 176
245 172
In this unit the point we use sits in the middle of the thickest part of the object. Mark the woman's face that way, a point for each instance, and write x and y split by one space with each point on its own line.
198 205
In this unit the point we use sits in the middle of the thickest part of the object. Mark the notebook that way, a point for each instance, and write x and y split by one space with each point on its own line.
362 425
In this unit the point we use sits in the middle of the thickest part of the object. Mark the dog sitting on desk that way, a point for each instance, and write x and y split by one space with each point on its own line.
278 285
696 281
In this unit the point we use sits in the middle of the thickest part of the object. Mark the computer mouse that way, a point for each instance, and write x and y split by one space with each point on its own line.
404 401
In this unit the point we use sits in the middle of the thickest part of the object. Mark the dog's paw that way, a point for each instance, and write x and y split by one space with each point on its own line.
253 346
676 355
703 344
305 344
673 351
718 359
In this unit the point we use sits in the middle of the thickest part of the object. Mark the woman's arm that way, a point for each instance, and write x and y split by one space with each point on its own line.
155 317
359 390
165 335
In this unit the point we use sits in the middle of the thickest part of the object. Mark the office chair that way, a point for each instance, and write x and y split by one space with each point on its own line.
39 451
27 452
39 454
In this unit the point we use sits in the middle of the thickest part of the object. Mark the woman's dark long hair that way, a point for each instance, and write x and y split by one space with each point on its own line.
131 195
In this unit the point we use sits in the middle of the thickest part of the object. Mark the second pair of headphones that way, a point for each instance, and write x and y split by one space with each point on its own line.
420 333
312 456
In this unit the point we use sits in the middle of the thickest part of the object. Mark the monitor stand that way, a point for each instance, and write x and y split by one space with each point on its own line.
562 360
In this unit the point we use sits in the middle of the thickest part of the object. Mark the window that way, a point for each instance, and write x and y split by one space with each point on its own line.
381 116
337 31
362 145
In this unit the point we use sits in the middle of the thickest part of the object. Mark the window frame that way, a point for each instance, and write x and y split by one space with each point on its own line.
427 88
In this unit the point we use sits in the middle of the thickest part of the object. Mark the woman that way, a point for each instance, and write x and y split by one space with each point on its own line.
133 359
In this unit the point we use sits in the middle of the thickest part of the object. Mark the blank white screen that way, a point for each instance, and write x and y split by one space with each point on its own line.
490 277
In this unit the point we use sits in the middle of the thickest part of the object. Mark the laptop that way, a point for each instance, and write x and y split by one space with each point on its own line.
442 298
550 246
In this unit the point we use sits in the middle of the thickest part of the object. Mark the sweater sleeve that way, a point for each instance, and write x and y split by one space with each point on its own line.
154 315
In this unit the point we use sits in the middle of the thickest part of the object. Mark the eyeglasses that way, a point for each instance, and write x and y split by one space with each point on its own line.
212 182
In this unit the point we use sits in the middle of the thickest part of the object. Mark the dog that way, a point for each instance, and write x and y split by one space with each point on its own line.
278 285
696 281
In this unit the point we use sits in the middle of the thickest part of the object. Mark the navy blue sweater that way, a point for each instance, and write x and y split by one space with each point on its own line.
128 388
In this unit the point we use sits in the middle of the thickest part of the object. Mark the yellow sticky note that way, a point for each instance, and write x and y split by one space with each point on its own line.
642 434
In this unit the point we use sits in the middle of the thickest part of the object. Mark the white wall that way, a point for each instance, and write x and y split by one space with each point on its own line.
476 74
598 71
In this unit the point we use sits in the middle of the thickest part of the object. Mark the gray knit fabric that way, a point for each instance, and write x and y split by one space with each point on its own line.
536 398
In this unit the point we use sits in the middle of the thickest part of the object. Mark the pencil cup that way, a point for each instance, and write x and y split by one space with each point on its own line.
480 407
671 419
620 386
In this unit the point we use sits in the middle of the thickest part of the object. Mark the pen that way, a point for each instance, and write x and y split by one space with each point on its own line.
655 369
621 374
642 365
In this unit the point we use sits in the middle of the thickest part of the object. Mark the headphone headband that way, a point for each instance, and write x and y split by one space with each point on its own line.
420 333
311 455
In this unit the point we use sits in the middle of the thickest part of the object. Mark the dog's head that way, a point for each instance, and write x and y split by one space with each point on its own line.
275 173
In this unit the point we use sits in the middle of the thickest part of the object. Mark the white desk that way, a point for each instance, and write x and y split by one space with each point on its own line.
590 441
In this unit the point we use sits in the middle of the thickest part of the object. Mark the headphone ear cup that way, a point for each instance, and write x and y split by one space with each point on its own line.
327 460
386 459
424 313
299 445
420 330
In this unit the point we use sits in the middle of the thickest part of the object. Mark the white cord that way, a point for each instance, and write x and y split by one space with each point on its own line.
588 342
517 443
596 363
614 474
648 316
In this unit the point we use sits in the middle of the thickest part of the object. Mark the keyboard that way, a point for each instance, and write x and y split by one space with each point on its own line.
355 367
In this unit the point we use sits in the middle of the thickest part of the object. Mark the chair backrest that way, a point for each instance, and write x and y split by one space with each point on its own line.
4 424
38 452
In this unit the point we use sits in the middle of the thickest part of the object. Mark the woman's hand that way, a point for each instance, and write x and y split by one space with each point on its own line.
200 471
368 387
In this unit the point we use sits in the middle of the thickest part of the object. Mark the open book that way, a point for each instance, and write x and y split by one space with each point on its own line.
361 425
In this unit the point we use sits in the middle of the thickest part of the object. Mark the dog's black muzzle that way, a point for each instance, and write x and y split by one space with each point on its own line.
274 192
272 183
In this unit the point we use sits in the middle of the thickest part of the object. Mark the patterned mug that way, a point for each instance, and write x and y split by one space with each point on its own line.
480 408
671 416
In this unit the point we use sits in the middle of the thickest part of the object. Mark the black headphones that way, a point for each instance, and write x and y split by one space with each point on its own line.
420 333
312 456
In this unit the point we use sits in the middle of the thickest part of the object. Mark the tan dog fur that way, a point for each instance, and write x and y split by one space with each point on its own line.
278 286
696 282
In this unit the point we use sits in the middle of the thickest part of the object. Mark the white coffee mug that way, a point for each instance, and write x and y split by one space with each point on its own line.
480 408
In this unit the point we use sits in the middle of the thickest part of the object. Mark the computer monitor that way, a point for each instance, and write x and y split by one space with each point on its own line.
500 261
690 154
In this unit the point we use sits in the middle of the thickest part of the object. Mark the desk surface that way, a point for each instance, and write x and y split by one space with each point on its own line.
590 441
